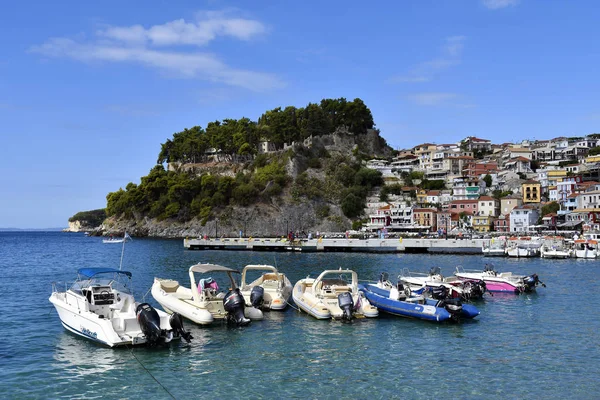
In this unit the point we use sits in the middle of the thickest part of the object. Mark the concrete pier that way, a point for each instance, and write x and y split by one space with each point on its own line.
396 245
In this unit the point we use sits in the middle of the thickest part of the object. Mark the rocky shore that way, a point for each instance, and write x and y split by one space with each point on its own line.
256 221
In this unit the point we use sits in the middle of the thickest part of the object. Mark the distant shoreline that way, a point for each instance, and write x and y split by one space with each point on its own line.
31 229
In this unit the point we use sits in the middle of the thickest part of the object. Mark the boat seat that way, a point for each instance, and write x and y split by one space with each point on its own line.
169 285
270 276
270 284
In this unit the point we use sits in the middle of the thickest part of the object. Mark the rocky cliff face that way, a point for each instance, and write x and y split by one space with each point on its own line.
74 226
256 221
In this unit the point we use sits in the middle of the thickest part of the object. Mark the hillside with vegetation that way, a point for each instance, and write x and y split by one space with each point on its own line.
215 179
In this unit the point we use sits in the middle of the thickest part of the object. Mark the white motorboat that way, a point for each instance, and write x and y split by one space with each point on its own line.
112 239
586 248
524 249
99 306
547 251
202 302
441 286
275 287
500 282
494 248
333 294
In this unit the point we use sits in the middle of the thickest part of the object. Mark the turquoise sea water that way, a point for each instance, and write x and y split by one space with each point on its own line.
542 345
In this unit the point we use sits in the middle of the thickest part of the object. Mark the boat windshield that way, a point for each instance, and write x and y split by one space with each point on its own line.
118 280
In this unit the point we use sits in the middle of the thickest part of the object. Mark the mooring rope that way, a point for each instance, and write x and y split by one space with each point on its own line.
150 373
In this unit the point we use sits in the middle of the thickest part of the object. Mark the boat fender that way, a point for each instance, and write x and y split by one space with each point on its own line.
257 296
234 304
149 322
346 304
176 323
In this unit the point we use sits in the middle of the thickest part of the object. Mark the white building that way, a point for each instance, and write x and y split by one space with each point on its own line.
523 218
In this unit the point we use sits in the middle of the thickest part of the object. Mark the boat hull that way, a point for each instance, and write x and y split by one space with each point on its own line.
121 331
379 297
493 284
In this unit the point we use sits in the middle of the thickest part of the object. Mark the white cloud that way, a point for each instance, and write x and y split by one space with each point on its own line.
496 4
134 45
424 72
205 29
431 98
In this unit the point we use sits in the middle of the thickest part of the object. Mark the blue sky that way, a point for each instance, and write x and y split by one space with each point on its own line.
89 90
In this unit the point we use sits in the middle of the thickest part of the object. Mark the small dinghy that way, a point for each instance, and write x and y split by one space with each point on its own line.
401 301
333 294
202 302
270 291
100 306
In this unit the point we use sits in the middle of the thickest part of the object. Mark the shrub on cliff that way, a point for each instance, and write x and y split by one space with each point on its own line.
91 218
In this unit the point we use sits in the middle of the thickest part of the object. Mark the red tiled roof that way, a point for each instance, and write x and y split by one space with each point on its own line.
485 198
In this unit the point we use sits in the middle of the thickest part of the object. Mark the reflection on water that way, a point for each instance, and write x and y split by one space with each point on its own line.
80 357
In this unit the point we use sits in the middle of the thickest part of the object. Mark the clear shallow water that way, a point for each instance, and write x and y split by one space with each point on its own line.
543 345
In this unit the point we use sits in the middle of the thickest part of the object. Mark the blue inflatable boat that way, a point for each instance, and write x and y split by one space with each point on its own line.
420 307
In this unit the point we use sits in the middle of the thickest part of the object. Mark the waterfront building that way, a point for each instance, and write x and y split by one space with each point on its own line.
502 223
483 223
425 218
550 221
468 207
523 218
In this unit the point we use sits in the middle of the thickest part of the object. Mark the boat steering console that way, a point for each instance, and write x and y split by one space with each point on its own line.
102 295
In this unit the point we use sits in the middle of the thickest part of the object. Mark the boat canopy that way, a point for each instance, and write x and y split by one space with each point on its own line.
90 272
204 268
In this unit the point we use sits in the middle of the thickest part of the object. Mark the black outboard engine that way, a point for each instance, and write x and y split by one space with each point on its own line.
439 292
531 282
473 290
257 296
346 304
176 323
234 304
149 322
453 306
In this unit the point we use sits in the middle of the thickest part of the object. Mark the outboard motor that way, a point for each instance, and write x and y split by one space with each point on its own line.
149 322
531 282
473 290
453 306
176 323
234 304
346 304
439 293
257 296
